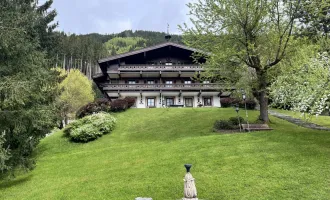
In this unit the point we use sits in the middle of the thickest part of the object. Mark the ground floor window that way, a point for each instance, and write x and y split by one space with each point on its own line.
169 101
207 101
188 102
151 102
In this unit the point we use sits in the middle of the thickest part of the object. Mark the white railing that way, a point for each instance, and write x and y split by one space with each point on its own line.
160 67
194 86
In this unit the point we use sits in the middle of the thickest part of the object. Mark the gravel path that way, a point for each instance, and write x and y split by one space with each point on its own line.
298 122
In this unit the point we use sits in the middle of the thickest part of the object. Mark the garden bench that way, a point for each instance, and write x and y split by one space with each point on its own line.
256 127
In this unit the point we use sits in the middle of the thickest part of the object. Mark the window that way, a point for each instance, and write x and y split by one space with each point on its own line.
169 83
206 82
131 82
188 102
207 101
187 82
151 82
169 101
168 63
151 102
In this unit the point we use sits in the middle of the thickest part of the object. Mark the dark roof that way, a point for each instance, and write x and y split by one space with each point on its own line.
149 49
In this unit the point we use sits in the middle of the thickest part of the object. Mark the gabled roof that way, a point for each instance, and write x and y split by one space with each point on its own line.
149 49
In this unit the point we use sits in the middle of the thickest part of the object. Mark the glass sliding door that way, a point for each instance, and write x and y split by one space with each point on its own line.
151 102
169 101
188 102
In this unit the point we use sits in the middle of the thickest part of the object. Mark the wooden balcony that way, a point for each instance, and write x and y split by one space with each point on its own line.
160 68
153 87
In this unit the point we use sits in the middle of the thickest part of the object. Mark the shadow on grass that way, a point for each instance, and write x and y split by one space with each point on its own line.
14 182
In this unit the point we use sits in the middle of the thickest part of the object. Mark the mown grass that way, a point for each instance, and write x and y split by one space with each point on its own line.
144 156
320 120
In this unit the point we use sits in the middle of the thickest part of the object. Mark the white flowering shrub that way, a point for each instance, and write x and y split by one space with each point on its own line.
305 88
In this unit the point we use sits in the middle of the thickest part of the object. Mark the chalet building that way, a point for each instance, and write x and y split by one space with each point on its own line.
157 76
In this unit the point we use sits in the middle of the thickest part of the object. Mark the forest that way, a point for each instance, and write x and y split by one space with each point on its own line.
73 51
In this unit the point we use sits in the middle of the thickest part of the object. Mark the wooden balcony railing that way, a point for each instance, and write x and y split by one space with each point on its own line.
160 68
198 86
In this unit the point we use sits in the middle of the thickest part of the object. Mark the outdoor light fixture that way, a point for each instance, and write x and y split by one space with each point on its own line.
247 116
239 121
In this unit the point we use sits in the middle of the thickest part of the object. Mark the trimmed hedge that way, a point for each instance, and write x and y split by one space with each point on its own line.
90 127
100 105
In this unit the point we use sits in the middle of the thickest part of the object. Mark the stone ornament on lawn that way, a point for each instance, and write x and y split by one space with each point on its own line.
190 192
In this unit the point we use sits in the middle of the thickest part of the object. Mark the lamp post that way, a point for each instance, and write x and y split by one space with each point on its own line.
239 121
246 112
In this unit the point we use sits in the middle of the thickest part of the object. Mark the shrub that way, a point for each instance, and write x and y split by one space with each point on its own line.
130 100
223 124
235 121
250 104
226 102
90 127
85 133
119 105
100 105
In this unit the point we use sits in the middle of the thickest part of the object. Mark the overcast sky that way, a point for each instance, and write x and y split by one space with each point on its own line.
113 16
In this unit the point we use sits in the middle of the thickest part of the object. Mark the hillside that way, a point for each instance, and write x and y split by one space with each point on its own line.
144 156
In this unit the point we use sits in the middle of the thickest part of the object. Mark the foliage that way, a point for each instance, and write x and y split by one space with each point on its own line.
223 125
4 154
231 123
90 127
76 91
100 105
229 102
119 105
119 45
237 120
83 51
130 101
28 88
306 86
314 16
241 36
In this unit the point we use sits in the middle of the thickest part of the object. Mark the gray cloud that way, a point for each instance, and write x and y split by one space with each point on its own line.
113 16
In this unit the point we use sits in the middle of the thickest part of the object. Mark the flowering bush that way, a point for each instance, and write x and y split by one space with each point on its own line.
90 128
306 88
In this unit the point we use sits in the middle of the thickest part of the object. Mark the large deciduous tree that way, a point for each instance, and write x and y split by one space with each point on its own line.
241 34
76 92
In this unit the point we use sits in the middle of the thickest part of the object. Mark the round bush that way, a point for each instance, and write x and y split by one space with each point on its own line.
234 121
90 127
223 125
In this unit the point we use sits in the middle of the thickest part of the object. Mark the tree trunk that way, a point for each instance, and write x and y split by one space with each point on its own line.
262 95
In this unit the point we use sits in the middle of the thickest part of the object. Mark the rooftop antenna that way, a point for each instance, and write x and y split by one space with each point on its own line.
168 36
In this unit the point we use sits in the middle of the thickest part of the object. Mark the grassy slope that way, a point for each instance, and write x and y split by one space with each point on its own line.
320 120
144 156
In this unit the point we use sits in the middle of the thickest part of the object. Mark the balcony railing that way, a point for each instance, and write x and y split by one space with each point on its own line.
160 68
198 86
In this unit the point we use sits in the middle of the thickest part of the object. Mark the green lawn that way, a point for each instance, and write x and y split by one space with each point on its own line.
320 120
145 155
